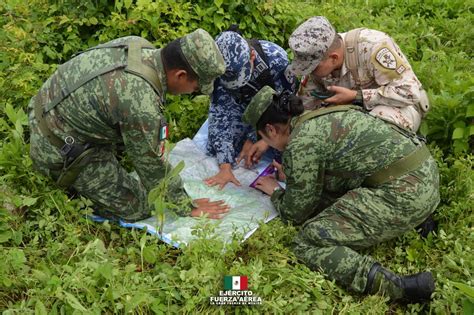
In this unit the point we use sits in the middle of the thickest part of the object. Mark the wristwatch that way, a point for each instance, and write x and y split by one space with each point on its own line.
359 99
276 188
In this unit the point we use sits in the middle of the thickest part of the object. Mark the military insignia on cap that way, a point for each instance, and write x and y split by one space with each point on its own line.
386 59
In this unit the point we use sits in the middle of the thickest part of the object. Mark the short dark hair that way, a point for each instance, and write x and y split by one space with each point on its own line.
336 44
173 58
283 107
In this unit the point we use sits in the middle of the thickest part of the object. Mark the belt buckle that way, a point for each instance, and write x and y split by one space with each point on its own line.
68 145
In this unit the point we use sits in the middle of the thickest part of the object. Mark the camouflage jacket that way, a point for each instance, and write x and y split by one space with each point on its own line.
352 143
225 112
389 86
117 108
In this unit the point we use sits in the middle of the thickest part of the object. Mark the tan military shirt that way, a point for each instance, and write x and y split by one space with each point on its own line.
389 86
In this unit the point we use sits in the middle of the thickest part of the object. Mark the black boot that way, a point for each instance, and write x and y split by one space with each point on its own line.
410 289
427 226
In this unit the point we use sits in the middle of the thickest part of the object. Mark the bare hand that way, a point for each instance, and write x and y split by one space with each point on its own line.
244 153
280 174
213 209
343 95
224 176
267 184
255 153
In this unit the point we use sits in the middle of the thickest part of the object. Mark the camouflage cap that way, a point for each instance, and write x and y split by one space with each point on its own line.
309 42
204 57
236 53
258 105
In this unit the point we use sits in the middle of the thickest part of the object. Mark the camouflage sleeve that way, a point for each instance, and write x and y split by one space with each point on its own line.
399 86
304 169
140 128
307 86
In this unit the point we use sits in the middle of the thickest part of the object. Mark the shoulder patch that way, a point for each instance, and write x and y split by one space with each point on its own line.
386 58
388 62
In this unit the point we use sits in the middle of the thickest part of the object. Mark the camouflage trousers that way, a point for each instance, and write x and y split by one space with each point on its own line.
114 192
363 217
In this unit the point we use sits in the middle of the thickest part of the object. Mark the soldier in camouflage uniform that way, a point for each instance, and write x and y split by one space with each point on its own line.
112 95
352 181
248 68
362 66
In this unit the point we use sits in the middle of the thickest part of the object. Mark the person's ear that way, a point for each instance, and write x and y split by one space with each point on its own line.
270 130
181 75
334 56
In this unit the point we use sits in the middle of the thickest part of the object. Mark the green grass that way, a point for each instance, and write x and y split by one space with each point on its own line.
56 261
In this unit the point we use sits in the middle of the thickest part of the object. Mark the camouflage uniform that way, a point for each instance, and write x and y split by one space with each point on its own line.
116 108
326 162
227 132
390 88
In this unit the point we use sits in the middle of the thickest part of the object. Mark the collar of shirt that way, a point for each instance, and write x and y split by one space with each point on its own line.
344 69
158 64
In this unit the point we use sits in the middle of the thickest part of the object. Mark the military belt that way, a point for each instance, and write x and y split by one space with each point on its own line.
75 155
392 171
399 168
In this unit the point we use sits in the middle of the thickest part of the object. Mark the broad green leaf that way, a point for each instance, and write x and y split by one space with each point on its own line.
143 3
40 309
149 254
105 270
119 5
470 111
29 201
471 130
136 300
459 123
74 302
5 236
467 290
153 195
270 20
127 4
177 169
458 133
460 146
468 307
159 206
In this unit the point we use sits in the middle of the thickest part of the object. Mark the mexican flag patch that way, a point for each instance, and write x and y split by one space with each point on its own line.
164 132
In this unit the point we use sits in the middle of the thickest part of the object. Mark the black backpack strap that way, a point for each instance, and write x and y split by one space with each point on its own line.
265 78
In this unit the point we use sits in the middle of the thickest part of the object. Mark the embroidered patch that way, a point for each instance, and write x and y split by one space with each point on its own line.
386 58
401 69
164 132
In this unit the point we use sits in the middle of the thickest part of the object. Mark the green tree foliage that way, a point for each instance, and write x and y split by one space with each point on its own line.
56 261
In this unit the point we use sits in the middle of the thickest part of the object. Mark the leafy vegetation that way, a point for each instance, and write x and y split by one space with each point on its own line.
56 261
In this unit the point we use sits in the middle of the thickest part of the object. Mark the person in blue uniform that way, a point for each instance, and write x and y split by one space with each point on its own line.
250 65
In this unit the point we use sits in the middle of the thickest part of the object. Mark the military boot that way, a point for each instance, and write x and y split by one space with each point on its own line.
409 289
427 226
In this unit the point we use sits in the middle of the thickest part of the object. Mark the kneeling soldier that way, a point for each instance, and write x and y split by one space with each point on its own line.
352 181
112 95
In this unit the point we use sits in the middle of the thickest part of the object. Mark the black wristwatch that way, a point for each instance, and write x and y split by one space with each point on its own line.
359 99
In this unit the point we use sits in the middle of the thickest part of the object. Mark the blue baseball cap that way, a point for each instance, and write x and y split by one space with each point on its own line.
236 52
